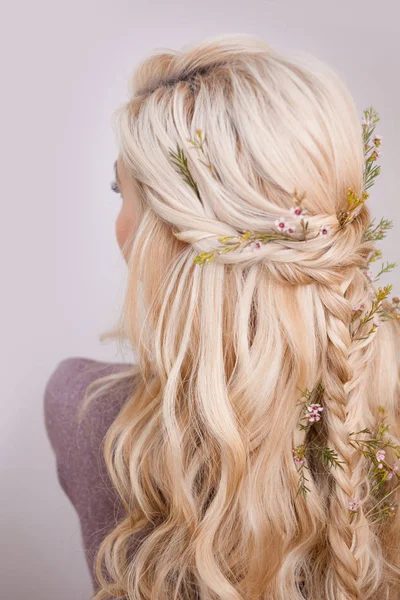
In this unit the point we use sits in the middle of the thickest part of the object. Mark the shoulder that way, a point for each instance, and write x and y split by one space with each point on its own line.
65 389
77 444
75 373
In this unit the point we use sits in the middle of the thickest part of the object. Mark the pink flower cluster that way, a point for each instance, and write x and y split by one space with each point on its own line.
283 225
380 457
314 411
297 211
354 504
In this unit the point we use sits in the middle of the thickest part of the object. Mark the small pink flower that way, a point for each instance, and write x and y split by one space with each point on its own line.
324 230
296 456
255 246
380 455
298 460
375 154
354 504
391 472
314 411
376 321
281 224
297 211
396 466
369 274
316 407
358 307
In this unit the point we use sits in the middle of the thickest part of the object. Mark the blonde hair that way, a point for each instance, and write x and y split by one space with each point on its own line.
201 453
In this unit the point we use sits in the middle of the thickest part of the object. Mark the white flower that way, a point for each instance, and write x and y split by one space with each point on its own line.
290 229
380 455
297 211
324 230
281 224
358 307
369 274
255 246
376 321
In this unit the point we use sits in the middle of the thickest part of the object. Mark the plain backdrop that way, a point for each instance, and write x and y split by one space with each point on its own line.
65 68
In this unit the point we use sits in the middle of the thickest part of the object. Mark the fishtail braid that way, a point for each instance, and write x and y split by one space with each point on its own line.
339 373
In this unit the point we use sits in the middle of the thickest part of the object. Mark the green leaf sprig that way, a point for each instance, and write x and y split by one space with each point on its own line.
233 242
375 315
179 159
381 471
371 170
198 143
379 231
371 147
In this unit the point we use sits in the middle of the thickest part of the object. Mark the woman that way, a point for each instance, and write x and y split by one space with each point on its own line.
246 454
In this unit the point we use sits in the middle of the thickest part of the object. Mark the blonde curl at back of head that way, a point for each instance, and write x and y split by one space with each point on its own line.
201 452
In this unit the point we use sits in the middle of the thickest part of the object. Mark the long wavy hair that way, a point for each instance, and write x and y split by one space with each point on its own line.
201 452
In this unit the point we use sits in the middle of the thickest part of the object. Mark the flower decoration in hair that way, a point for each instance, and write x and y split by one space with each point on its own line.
285 228
312 414
295 227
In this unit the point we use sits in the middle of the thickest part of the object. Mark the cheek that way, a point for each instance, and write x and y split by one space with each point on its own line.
123 227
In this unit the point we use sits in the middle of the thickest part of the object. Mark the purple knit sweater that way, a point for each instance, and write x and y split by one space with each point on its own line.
78 448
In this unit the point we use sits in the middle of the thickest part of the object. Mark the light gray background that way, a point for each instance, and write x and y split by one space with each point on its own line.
65 67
